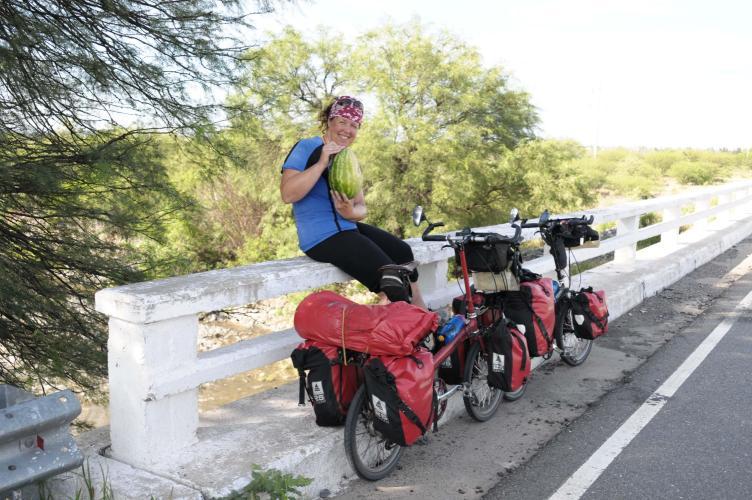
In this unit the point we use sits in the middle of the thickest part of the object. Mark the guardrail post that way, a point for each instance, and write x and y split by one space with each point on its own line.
143 429
671 237
624 226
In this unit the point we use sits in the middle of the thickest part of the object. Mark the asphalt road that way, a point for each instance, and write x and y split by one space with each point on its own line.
696 446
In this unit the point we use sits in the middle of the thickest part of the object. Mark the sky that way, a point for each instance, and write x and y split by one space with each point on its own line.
606 73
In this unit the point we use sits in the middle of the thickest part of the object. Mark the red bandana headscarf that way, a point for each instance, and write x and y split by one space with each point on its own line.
347 107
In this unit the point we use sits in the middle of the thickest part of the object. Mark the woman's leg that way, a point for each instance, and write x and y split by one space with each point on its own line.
399 251
356 255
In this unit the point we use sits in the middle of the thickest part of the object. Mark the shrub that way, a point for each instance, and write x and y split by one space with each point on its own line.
695 172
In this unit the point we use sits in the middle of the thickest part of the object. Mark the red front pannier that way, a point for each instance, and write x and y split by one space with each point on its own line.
394 329
331 380
589 313
533 307
401 392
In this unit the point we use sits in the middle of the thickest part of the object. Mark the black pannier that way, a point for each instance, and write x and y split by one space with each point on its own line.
330 382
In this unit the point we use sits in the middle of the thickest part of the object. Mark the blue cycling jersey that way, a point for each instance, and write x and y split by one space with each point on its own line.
315 216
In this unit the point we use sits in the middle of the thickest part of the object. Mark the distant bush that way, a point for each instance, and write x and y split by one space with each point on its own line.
662 160
632 176
695 172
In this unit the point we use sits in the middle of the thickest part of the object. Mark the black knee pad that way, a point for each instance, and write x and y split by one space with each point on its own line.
414 275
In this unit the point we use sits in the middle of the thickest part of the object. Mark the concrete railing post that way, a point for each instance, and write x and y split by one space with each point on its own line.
146 430
722 200
433 279
700 206
625 226
738 211
671 237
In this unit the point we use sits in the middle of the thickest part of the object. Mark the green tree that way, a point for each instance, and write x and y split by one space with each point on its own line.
437 122
80 194
441 124
435 118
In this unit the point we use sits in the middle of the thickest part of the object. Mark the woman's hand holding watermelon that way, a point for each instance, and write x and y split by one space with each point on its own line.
350 208
329 149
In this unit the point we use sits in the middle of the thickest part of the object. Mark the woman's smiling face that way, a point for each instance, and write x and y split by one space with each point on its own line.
342 131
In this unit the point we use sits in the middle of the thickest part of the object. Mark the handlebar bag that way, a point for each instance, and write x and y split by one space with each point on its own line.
532 309
330 382
508 359
589 313
486 257
402 395
577 235
393 329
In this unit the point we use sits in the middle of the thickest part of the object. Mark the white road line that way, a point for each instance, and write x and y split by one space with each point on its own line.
587 474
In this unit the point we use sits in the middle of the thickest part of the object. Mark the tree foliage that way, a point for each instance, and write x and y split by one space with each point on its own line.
432 111
80 193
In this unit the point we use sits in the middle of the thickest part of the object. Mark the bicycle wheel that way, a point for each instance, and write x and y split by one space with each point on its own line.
481 400
371 455
574 349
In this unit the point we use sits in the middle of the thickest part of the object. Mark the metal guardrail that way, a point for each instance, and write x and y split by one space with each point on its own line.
35 442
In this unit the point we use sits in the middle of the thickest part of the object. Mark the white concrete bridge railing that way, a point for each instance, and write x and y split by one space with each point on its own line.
155 369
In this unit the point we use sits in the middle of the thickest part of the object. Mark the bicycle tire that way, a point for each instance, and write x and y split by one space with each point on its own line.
384 456
515 395
574 349
483 400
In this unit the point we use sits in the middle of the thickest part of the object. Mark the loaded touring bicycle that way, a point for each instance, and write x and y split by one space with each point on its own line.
386 371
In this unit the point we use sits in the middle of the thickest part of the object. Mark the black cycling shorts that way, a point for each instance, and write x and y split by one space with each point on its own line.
361 252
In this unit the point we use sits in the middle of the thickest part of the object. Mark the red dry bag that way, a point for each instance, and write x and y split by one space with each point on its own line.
394 329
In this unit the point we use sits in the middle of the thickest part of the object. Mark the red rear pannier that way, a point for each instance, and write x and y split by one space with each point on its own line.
508 359
589 313
330 383
533 308
394 329
402 395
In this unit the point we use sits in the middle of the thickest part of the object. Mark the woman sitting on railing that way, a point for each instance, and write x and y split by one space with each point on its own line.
327 221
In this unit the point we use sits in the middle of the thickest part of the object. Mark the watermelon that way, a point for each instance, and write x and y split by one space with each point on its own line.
344 175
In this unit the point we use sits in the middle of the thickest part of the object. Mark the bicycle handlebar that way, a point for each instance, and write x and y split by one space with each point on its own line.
572 221
467 235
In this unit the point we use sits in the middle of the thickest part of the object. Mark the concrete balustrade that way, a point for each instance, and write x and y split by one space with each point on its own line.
154 367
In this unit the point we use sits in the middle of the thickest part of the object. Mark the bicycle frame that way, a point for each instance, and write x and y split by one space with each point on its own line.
471 326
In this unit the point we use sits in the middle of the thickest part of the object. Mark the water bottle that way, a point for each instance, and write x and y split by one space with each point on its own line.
450 329
556 288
